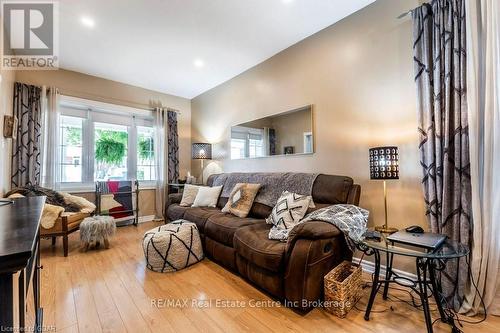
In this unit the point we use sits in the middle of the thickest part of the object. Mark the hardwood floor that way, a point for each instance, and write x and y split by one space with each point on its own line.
112 291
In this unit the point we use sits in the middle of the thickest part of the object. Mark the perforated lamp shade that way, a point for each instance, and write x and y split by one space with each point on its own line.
384 163
201 151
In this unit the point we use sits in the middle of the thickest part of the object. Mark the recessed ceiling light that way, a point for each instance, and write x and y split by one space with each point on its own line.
287 1
87 21
199 63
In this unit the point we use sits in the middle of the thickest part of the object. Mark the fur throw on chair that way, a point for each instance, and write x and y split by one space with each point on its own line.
55 204
53 197
49 215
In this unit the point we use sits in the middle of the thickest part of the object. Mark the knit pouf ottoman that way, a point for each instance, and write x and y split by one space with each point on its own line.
172 247
96 230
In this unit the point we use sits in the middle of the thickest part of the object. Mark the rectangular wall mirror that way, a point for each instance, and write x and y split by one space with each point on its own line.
287 133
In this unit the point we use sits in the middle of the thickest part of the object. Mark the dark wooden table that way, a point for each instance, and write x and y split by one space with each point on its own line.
20 261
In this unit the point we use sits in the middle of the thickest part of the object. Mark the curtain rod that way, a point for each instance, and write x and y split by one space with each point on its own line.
115 101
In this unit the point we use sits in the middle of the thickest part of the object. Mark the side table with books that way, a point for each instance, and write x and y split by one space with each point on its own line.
430 258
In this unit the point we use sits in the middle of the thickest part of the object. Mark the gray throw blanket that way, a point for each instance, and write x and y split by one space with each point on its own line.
272 184
350 219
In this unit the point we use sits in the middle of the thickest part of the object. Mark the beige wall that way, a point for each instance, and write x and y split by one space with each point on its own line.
95 88
358 74
6 96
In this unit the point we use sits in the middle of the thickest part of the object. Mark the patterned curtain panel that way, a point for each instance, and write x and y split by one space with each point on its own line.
440 76
173 147
272 141
26 149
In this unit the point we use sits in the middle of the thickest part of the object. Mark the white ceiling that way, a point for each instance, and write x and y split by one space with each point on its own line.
154 44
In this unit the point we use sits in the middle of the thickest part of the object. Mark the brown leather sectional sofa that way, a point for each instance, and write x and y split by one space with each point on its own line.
292 270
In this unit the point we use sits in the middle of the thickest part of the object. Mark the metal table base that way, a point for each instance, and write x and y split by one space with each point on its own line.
426 282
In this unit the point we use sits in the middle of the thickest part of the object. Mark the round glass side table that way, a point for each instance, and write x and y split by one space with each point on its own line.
427 263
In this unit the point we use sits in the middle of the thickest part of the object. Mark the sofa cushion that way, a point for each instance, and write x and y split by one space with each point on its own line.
260 211
253 244
199 216
176 212
222 202
331 189
221 227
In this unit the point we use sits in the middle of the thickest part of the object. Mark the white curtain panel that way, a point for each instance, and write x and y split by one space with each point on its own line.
50 144
160 150
483 83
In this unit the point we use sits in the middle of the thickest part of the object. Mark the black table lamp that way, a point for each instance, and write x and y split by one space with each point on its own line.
201 151
384 165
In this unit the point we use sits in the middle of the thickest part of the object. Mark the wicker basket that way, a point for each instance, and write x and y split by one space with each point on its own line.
343 286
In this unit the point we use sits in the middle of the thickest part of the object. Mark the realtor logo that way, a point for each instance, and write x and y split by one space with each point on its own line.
29 35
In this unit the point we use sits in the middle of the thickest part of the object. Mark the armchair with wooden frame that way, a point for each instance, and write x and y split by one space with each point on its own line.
64 226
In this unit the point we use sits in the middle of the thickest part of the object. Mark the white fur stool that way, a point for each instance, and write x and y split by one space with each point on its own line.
97 230
172 247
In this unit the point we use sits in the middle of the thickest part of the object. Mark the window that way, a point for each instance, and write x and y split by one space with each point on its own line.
255 146
71 148
238 148
247 142
111 143
145 153
308 142
100 142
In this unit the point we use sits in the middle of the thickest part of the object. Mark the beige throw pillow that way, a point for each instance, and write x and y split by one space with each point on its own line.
207 196
188 195
241 199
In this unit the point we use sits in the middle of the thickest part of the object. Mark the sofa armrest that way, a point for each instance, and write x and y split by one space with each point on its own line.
173 198
311 230
314 230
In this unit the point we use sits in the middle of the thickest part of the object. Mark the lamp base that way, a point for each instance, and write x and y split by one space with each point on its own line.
385 230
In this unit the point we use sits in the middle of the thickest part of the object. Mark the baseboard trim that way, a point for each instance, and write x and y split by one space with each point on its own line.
130 221
369 267
147 218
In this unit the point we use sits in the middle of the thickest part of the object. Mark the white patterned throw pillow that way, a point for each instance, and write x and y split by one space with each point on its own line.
289 210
